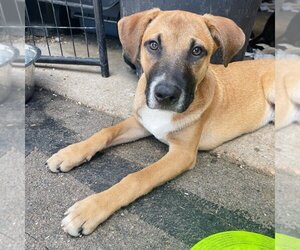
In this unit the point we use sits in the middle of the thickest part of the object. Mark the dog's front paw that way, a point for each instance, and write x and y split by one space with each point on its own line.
67 158
85 215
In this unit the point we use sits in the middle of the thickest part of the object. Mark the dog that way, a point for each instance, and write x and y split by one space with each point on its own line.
181 99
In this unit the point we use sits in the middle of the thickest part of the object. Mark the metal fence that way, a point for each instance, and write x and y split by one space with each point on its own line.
41 30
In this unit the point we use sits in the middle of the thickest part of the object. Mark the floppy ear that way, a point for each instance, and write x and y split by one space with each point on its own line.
226 34
131 30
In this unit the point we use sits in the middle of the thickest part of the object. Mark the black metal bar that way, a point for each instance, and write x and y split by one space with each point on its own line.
69 60
71 32
93 18
46 26
53 27
76 5
45 29
30 29
101 37
83 20
57 31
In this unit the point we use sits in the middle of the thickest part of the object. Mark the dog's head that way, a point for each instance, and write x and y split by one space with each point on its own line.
174 49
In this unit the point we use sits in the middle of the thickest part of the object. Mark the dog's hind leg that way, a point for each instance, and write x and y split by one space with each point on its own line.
292 85
75 154
268 84
287 98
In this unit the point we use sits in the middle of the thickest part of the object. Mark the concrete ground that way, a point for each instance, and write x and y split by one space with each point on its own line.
12 178
217 195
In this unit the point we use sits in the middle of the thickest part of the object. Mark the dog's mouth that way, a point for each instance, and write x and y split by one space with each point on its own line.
168 108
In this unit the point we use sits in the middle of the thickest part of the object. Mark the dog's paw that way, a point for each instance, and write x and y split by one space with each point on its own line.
84 216
67 158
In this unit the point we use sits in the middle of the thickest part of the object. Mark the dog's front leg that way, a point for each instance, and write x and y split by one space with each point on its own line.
75 154
84 216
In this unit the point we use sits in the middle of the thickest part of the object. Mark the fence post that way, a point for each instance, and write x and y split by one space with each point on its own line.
98 13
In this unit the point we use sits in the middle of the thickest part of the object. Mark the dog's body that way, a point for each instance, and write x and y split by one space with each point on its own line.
241 102
181 99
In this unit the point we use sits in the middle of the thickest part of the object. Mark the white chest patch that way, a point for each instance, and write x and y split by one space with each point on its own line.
157 122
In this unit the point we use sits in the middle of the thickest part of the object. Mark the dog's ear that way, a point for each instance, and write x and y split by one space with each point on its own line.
131 30
226 34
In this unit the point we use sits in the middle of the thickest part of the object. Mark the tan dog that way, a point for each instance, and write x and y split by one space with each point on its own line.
181 99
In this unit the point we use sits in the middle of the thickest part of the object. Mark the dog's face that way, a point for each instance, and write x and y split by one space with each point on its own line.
174 49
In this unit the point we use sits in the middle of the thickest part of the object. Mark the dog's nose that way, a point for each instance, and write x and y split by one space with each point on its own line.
167 94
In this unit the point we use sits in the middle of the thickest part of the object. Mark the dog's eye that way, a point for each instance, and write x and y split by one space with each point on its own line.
197 51
153 45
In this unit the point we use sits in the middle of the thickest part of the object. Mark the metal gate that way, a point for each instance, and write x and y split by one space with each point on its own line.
42 30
